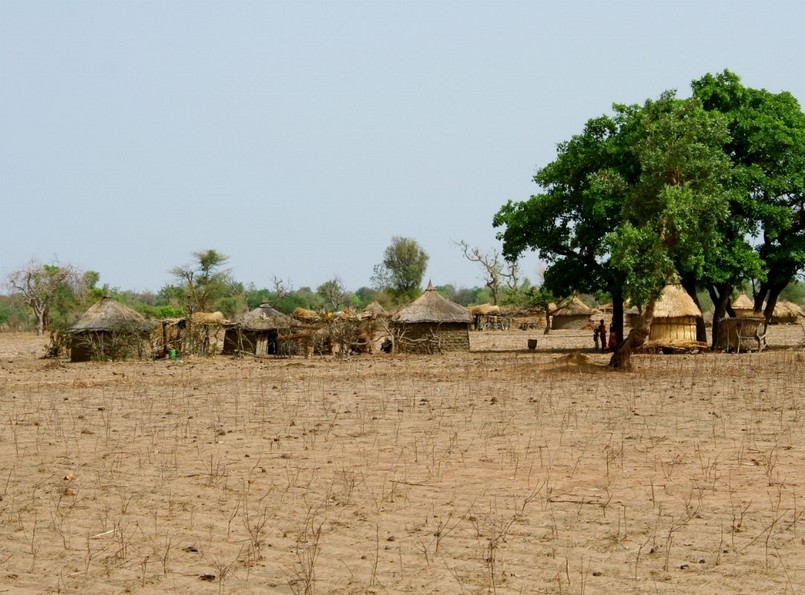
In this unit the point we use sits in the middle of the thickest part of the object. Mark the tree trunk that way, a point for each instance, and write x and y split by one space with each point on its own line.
41 319
689 286
617 314
720 295
621 357
771 301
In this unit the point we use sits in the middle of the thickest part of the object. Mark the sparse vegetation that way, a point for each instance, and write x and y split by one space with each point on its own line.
490 471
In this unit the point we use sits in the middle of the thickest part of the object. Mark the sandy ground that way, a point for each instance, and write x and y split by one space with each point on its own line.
502 470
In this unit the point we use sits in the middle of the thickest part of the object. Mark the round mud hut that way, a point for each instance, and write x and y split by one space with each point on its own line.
108 330
263 331
675 315
431 324
743 306
573 315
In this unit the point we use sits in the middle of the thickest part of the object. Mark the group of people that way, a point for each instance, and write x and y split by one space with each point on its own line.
600 337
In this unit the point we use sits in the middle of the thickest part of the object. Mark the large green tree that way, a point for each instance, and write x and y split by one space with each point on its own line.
403 267
584 191
767 148
671 218
632 201
589 191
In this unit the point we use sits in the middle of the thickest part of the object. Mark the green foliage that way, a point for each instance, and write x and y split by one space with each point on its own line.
52 291
403 268
672 212
465 296
333 294
540 297
767 148
794 292
159 312
205 281
5 314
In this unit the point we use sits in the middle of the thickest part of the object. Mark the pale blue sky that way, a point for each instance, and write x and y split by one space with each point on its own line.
299 137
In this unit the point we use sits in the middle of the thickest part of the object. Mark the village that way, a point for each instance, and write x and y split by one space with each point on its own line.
430 324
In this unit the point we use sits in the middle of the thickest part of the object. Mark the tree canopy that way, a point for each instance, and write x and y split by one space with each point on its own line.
47 288
673 187
403 267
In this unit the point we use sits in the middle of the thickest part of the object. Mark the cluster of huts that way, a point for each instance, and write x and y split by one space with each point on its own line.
429 324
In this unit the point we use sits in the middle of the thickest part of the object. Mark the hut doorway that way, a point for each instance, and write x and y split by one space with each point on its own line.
268 343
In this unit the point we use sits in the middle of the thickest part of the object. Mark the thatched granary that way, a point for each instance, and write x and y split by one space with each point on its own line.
786 312
483 315
373 311
743 306
675 316
573 315
431 324
742 333
198 335
109 330
260 332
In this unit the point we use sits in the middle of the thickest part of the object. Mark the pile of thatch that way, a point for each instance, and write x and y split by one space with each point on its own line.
786 312
211 318
485 310
306 316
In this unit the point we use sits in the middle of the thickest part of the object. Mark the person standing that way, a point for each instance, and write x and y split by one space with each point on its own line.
602 335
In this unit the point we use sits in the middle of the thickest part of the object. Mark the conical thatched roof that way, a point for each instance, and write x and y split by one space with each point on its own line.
431 307
675 302
374 310
264 318
575 307
742 302
109 315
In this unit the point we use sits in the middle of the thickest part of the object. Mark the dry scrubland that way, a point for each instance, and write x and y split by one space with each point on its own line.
501 470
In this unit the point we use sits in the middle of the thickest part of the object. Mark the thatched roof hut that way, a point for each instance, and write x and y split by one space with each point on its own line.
743 306
573 315
109 330
786 312
259 332
431 324
675 316
373 311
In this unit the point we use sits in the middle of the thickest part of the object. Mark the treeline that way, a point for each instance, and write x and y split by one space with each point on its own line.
52 296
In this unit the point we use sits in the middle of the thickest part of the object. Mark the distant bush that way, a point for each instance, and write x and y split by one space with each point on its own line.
159 312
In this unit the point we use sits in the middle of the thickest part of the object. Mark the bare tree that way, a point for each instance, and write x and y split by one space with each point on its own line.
281 287
39 286
496 270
